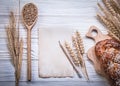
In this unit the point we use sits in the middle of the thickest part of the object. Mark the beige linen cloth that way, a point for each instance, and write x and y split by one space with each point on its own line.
52 61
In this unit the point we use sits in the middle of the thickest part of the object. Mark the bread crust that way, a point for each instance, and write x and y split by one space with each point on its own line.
108 53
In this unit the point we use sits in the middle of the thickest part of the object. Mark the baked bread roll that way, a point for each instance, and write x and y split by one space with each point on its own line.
108 53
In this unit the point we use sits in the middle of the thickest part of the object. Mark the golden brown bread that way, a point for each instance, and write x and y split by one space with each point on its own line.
108 53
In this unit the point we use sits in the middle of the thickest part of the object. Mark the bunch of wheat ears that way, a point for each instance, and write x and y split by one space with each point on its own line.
15 45
75 54
110 17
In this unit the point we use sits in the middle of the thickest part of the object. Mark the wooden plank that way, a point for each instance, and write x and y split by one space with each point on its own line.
57 83
48 7
7 72
4 52
69 21
59 14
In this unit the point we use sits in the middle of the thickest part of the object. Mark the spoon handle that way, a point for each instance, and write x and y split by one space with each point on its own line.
29 54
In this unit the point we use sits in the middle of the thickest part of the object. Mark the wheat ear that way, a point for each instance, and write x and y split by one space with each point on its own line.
109 25
70 60
109 7
80 42
79 48
72 54
75 44
15 46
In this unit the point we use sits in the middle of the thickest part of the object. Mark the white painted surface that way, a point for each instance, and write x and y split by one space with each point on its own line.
75 14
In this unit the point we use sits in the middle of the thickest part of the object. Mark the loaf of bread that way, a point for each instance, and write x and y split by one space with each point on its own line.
108 53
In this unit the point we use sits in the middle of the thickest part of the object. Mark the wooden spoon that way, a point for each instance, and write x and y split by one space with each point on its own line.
29 14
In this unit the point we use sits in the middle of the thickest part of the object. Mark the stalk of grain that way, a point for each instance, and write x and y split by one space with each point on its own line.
79 48
109 7
115 6
111 17
80 42
113 35
109 25
72 54
76 54
70 60
15 46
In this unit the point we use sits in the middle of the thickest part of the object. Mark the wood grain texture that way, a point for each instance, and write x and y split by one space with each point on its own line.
75 14
56 83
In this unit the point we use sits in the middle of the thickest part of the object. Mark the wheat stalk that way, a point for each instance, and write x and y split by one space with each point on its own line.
115 21
15 46
80 43
75 44
111 27
111 18
113 35
77 53
108 23
109 7
72 54
79 48
70 60
115 6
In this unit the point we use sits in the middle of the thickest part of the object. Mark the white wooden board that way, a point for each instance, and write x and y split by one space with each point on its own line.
76 14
